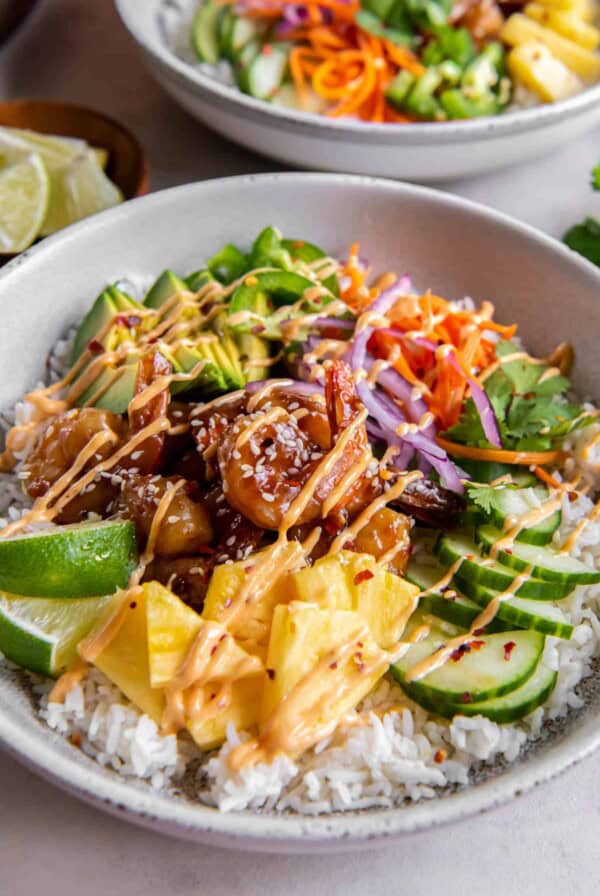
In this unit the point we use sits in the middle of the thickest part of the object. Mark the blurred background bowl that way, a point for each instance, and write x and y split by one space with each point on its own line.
12 13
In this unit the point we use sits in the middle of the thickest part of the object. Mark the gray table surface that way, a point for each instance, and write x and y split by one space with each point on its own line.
546 842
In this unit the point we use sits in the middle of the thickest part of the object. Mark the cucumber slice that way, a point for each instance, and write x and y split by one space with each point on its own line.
225 26
497 576
509 502
205 38
242 32
478 675
488 471
545 563
263 77
521 612
452 606
509 708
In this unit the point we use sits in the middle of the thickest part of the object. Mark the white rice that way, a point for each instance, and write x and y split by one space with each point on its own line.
386 759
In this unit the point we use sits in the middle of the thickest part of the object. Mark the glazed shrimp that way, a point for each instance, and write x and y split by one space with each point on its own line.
265 458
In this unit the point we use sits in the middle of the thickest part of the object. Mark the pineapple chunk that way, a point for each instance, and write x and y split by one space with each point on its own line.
584 9
172 628
312 685
149 648
125 660
534 66
252 627
519 29
350 581
566 23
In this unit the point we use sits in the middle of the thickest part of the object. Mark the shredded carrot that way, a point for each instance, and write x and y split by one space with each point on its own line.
546 477
500 455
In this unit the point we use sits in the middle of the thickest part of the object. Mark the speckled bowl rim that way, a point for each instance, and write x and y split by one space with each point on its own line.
310 124
294 833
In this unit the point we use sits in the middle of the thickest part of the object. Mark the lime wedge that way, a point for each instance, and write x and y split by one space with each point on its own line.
79 189
24 195
81 560
16 143
101 155
42 634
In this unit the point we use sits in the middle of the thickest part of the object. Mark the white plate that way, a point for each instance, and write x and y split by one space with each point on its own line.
451 245
421 152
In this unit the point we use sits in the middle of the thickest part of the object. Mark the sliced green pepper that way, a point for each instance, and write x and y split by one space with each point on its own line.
421 101
228 264
399 89
457 105
280 289
308 252
451 43
268 251
484 72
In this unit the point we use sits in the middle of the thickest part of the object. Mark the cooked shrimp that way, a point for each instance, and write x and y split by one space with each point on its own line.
152 367
186 528
265 458
56 451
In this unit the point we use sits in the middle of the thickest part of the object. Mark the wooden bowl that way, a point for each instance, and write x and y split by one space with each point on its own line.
12 14
127 166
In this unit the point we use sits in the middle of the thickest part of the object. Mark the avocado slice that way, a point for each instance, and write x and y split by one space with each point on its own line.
119 393
165 286
108 304
196 280
210 378
233 369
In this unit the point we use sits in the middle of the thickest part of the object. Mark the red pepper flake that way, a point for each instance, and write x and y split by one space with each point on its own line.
205 549
363 576
333 665
348 545
248 569
75 739
213 649
132 605
129 320
212 696
271 674
476 645
459 652
508 649
257 329
95 347
469 556
297 244
479 631
439 756
508 550
572 496
466 697
267 50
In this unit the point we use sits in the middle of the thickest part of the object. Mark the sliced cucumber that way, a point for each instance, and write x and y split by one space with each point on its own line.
242 32
478 675
205 37
509 504
451 607
497 576
472 597
533 614
459 611
488 471
225 25
263 77
545 563
509 708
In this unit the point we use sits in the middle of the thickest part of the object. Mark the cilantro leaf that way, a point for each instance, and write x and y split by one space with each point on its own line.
584 238
482 496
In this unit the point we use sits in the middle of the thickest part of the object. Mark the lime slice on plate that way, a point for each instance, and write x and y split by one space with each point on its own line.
42 634
81 560
24 195
79 189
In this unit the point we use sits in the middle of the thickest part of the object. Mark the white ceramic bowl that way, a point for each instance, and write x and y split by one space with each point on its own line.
451 245
421 152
